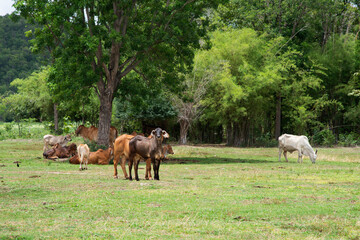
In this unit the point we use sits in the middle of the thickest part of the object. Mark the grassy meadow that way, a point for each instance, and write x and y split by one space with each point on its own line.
204 192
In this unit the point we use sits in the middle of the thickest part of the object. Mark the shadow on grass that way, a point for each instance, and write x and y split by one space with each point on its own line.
214 161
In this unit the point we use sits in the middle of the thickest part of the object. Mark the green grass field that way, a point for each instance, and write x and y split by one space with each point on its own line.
204 192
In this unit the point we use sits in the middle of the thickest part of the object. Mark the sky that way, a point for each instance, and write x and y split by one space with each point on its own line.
6 7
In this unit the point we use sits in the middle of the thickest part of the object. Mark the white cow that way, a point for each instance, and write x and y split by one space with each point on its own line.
83 152
51 140
291 143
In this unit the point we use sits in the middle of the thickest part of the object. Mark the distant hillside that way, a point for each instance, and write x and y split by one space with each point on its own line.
16 59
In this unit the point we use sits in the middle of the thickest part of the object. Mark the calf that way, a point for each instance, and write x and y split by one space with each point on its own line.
83 153
60 152
291 143
91 133
166 150
148 148
101 157
51 140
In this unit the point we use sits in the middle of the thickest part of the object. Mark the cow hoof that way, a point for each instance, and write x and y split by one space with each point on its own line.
137 179
115 177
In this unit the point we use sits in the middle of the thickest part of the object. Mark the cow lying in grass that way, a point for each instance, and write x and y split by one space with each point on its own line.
83 153
100 157
291 143
60 152
51 140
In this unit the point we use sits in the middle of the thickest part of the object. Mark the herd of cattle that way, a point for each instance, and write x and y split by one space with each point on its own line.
136 147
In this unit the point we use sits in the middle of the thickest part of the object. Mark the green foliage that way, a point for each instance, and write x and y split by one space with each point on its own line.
324 138
26 129
16 59
93 146
140 101
253 73
32 98
349 140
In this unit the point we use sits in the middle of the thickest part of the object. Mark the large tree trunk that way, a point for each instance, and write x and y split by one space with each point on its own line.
56 118
104 119
184 127
278 117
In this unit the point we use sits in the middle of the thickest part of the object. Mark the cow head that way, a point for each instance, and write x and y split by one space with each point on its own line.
79 129
313 157
68 138
159 134
49 153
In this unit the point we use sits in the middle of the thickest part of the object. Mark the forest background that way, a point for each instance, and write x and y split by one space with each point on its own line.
263 69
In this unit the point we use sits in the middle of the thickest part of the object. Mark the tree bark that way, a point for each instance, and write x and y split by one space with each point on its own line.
56 118
278 117
104 119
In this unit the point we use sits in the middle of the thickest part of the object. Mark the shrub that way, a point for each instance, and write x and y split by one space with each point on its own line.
349 140
93 146
324 138
266 141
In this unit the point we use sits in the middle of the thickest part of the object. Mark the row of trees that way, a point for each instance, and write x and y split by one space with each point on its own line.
237 70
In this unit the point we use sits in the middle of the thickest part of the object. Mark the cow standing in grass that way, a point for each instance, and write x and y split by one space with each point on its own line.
91 133
83 154
291 143
149 148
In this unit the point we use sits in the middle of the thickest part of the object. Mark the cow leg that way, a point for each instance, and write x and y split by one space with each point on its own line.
299 157
123 161
285 155
280 151
116 161
131 159
148 169
136 166
156 168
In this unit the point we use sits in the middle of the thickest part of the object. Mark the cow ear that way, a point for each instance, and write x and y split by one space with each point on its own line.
165 134
153 133
316 151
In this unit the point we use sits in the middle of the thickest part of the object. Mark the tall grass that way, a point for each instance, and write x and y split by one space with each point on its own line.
23 130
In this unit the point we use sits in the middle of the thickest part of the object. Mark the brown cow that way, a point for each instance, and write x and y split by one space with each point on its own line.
91 133
166 150
121 150
101 157
147 148
60 152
